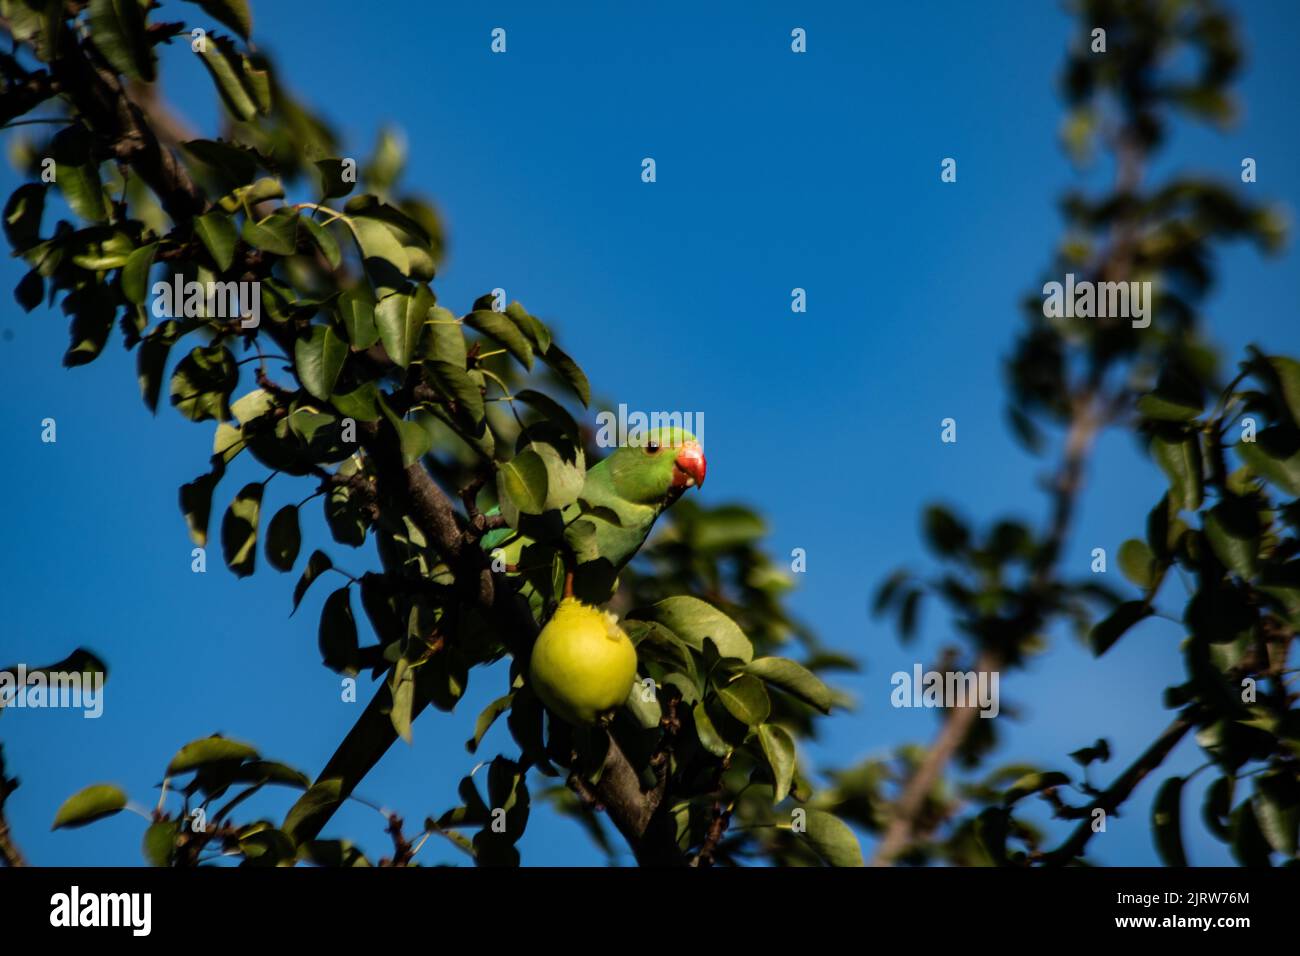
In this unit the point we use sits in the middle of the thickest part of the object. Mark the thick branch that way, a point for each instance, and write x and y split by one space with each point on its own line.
638 814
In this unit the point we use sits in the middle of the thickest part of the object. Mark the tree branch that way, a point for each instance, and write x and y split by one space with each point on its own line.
1111 799
97 94
1090 411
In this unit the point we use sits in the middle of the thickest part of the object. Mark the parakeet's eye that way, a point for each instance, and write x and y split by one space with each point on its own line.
652 448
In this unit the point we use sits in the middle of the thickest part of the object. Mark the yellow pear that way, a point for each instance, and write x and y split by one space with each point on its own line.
583 664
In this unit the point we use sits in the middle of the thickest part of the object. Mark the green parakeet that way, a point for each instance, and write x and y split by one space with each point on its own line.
621 497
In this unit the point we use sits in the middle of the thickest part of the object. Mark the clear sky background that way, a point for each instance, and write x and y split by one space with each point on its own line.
774 171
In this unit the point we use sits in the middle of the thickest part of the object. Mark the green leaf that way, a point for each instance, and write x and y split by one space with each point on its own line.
555 413
37 22
831 839
1288 375
746 699
1112 628
233 13
449 375
117 28
202 382
1275 457
100 248
77 174
708 734
196 503
319 359
1164 529
93 309
656 643
794 679
385 165
239 530
400 319
1232 528
30 291
546 475
249 196
402 687
1179 457
1277 809
382 255
227 442
344 515
276 234
1033 783
317 565
228 75
333 185
1248 843
487 718
525 722
159 843
569 371
415 440
235 164
252 405
1166 822
135 274
1217 807
1177 397
306 422
283 538
257 80
86 806
325 241
209 750
779 749
314 806
499 327
446 339
1137 563
362 403
357 310
693 620
22 215
508 791
151 360
522 485
217 233
333 853
338 632
530 325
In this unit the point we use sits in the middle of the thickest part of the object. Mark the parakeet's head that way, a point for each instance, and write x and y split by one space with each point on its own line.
657 466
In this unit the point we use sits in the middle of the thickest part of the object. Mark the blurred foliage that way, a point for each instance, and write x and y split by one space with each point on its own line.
1219 551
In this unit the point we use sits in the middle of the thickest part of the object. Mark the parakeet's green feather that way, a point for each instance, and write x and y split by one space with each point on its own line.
620 499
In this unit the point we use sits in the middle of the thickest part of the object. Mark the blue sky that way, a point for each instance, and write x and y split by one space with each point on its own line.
774 171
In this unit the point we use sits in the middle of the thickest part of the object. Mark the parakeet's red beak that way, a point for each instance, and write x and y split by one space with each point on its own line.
689 468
